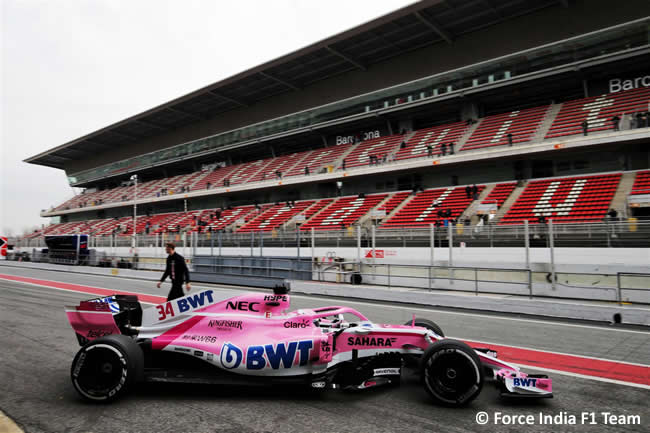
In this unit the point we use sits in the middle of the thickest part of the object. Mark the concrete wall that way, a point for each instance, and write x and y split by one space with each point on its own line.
545 26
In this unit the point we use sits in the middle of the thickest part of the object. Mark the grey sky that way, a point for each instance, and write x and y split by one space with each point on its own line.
71 67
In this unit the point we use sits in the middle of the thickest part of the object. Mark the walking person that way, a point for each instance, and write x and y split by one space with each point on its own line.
585 127
177 270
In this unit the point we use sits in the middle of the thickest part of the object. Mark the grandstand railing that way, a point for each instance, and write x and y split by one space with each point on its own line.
609 233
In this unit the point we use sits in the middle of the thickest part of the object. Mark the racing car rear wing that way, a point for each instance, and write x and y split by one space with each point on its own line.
99 317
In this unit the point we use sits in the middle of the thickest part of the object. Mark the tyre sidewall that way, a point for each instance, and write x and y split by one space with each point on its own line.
130 360
445 348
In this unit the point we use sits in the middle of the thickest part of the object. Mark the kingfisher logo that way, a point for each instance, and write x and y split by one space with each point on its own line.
524 382
275 356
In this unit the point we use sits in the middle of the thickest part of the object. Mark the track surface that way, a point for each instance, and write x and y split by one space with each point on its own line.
38 346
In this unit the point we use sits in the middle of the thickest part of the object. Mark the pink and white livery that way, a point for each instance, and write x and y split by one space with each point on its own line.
254 339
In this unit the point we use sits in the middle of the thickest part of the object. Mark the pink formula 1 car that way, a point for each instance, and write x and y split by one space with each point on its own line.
254 339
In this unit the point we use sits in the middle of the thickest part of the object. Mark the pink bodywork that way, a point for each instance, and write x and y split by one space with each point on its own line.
254 334
92 320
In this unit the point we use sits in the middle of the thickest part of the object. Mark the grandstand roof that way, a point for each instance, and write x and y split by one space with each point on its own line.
420 24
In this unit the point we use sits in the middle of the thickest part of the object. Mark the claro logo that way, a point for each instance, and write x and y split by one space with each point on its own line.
618 84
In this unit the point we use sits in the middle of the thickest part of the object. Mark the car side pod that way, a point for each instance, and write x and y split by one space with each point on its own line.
515 384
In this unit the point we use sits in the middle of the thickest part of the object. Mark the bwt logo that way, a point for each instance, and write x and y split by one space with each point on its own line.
195 301
273 355
231 356
524 382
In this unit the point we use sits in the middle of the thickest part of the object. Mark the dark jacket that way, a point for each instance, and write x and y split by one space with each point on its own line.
180 269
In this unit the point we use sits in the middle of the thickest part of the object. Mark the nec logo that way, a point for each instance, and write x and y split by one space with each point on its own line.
243 306
524 382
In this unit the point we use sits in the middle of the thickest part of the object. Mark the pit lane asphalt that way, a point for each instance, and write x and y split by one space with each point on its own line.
37 346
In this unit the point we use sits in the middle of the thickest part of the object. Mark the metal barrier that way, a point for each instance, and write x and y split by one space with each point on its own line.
640 282
130 262
429 275
479 280
250 270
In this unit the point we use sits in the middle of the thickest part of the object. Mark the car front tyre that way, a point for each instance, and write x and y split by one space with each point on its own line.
451 372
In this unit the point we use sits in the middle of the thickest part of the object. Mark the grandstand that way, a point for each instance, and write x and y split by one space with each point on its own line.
359 130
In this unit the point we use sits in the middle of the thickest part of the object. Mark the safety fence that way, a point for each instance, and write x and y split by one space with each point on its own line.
622 287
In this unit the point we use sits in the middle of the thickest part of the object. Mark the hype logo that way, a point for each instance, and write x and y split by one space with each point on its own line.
231 356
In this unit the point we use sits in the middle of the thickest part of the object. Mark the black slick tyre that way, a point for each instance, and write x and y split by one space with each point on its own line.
451 372
106 368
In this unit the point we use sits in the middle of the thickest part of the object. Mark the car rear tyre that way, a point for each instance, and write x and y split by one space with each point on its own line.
451 372
106 368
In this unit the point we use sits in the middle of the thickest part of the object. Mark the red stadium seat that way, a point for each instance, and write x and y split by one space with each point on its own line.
417 145
598 111
500 193
379 147
423 209
343 212
574 199
641 183
494 130
275 216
